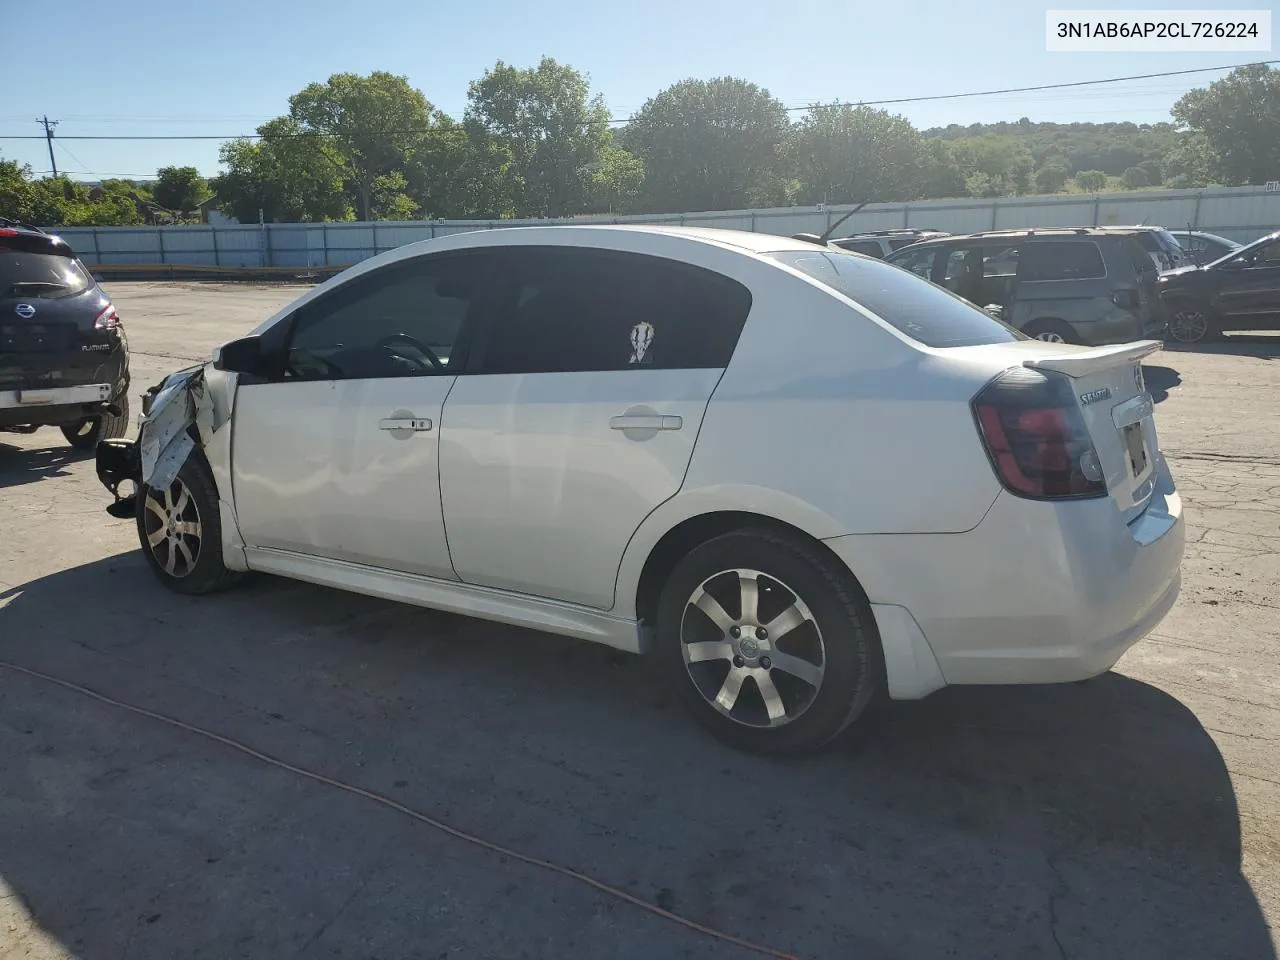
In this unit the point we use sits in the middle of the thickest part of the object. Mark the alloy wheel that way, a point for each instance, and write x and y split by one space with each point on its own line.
174 533
1050 336
752 648
1189 326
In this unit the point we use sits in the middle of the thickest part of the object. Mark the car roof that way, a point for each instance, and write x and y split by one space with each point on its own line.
1028 233
27 231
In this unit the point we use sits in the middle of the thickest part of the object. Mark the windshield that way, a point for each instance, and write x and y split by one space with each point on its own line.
916 307
1245 250
27 273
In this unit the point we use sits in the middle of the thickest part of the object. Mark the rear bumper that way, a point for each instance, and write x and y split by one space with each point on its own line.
1036 593
55 405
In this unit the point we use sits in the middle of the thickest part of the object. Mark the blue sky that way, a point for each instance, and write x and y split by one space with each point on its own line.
151 67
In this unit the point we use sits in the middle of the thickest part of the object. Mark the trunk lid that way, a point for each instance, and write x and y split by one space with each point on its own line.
1111 393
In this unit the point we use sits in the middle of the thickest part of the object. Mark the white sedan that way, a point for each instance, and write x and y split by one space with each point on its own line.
801 478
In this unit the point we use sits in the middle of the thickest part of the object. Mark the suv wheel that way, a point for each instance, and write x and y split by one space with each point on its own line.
85 434
770 646
1051 331
181 532
1190 322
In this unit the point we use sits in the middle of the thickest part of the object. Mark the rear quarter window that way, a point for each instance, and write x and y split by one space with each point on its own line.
1066 260
918 308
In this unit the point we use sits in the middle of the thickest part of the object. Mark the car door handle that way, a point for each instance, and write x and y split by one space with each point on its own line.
416 424
645 422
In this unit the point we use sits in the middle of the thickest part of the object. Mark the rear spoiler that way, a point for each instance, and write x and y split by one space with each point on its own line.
1096 359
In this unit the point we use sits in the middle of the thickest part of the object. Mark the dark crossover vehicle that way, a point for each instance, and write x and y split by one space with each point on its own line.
64 359
1240 291
1161 245
1061 284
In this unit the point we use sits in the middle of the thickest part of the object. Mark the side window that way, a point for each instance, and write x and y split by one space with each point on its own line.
1064 260
1268 256
403 321
570 309
868 247
920 262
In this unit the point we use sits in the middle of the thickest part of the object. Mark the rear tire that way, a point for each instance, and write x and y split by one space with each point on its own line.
1051 331
85 434
785 678
1191 322
180 531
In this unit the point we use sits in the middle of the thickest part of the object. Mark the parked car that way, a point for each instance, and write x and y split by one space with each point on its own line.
1161 245
881 243
1240 291
1203 247
1063 285
800 477
64 358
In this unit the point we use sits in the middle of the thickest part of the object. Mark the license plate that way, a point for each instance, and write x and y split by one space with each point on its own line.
1136 447
35 396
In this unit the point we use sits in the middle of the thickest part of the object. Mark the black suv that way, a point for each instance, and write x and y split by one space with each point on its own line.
1061 284
1240 291
64 360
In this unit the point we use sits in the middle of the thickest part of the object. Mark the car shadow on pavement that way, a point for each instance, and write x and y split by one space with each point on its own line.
1259 346
20 465
1160 380
1075 821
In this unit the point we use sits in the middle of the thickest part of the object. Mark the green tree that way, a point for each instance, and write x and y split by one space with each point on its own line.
1238 118
1052 177
180 188
1135 178
994 166
844 154
290 174
1191 162
1154 171
376 125
940 173
710 145
614 180
1091 181
558 134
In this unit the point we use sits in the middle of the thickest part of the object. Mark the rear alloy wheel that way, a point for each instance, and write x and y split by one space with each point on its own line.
769 644
1050 331
85 434
181 532
1191 323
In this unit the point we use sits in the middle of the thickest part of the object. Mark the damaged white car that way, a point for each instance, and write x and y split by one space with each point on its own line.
802 478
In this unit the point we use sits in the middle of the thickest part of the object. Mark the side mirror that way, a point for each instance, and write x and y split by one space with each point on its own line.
241 356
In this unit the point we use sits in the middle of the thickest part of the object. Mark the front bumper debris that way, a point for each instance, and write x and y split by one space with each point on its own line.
177 414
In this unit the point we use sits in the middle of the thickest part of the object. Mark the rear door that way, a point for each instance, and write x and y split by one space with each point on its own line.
578 414
1249 297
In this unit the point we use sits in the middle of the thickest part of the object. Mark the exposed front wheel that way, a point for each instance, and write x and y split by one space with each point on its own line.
1191 323
181 532
1051 331
770 645
85 434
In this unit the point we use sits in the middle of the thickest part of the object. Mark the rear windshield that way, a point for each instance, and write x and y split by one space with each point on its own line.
27 269
918 308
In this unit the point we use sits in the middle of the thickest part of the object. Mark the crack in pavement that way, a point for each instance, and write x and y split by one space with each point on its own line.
1060 890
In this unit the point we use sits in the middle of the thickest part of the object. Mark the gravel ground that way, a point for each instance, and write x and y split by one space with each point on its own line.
1136 816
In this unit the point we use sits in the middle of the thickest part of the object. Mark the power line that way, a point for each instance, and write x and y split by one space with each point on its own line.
612 120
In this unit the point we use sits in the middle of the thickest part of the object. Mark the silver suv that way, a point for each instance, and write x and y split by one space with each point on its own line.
1063 285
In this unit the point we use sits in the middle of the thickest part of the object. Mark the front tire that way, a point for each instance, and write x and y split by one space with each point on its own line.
1191 322
85 434
1051 331
180 531
769 643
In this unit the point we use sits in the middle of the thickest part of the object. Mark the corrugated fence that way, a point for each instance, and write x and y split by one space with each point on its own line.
1240 213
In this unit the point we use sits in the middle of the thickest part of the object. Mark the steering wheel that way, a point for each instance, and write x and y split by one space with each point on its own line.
433 362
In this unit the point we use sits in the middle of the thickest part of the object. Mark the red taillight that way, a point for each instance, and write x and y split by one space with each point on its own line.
108 319
8 232
1036 437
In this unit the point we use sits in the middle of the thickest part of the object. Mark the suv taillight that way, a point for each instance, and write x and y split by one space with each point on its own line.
108 319
1036 437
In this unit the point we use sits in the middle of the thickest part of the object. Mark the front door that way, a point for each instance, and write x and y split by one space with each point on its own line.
578 414
1249 298
337 456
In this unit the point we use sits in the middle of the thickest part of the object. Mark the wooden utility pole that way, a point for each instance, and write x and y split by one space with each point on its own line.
48 137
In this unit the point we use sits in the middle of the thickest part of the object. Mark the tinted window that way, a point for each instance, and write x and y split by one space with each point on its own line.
29 269
919 262
899 242
870 248
1061 260
569 309
922 310
401 322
